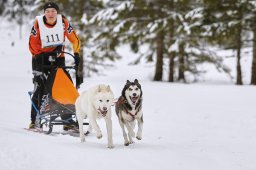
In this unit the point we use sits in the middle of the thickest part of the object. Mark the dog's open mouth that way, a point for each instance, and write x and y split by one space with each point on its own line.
102 112
134 99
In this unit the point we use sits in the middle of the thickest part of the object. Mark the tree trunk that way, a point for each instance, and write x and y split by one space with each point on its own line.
253 73
20 31
172 54
171 67
181 75
239 79
159 54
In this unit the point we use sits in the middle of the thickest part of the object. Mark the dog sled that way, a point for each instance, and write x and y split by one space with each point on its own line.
57 103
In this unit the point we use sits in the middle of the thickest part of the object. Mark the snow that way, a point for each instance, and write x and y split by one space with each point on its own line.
208 125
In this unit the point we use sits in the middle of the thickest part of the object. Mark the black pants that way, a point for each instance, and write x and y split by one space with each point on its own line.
39 81
37 97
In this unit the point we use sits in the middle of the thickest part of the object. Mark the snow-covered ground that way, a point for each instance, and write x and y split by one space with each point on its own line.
207 126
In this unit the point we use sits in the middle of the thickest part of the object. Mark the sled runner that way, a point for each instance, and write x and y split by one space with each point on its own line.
73 133
57 103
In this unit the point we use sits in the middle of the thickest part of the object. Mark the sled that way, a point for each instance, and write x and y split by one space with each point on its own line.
73 133
57 106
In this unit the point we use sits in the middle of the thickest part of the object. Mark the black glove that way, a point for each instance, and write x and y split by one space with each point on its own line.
60 61
79 81
77 59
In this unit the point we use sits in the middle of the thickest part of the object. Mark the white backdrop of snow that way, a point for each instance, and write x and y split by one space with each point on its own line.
209 125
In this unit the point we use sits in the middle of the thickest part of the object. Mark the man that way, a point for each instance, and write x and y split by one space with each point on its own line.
48 35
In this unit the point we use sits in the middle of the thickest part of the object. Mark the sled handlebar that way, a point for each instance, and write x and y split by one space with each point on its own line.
79 79
68 67
54 54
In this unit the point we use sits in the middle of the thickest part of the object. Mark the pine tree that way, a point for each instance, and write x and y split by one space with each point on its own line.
228 22
252 26
171 30
186 43
136 23
2 6
18 12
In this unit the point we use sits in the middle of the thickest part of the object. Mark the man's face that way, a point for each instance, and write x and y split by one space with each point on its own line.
51 14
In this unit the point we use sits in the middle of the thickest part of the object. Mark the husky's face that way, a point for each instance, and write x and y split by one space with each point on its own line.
132 91
103 100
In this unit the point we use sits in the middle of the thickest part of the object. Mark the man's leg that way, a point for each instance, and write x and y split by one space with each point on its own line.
36 99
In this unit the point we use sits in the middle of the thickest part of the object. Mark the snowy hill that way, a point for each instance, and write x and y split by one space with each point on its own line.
207 126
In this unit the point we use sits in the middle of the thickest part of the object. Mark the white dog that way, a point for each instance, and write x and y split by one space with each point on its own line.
95 103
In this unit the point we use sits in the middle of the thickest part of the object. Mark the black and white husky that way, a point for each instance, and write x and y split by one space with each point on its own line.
128 109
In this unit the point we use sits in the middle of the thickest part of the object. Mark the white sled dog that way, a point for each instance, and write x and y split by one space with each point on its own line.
128 109
95 103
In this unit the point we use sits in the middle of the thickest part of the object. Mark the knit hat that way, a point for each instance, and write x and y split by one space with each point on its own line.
51 5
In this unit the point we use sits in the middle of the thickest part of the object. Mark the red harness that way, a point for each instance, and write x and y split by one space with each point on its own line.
133 116
122 101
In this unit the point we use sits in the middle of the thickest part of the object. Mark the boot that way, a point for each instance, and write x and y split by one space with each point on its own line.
32 125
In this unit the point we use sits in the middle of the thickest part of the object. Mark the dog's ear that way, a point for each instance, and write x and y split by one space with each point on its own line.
108 88
127 82
99 88
136 81
123 92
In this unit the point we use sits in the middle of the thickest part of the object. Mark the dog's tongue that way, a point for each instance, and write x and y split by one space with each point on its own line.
134 99
103 113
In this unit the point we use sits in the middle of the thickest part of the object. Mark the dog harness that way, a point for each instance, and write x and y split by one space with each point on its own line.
123 101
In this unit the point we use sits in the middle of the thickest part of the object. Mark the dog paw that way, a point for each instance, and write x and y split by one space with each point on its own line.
99 136
126 144
111 146
82 140
131 142
138 137
87 133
